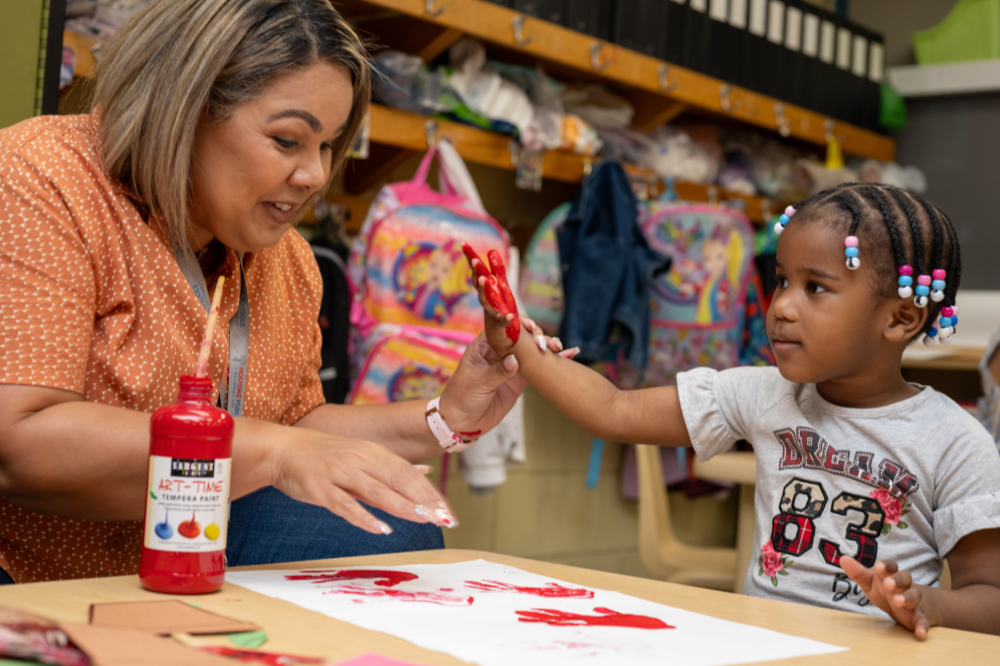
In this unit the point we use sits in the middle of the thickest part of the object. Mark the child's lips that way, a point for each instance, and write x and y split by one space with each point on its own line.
784 345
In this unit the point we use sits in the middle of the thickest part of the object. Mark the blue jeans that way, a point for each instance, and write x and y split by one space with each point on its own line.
268 526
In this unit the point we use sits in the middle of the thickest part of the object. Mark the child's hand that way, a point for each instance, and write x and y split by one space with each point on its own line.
893 591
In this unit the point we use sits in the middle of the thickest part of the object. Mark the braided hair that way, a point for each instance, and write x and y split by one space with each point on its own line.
901 233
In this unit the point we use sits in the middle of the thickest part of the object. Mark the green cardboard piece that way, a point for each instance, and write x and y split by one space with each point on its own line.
248 639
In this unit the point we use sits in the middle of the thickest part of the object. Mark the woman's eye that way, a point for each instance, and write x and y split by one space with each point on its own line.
285 143
326 146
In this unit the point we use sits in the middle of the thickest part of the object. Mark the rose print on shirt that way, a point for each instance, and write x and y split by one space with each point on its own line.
772 563
894 509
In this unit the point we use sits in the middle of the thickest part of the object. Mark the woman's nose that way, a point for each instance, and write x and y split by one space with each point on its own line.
310 174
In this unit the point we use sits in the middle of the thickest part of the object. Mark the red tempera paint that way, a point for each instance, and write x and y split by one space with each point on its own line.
475 261
190 449
269 658
605 618
549 590
500 272
403 595
382 578
475 433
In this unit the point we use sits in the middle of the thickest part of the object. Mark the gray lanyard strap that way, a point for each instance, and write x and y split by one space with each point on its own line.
233 390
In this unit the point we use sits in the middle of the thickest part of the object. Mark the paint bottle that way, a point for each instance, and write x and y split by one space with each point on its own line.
187 498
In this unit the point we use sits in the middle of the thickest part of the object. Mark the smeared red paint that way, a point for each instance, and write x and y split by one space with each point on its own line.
270 658
382 578
496 289
605 618
550 590
475 433
403 595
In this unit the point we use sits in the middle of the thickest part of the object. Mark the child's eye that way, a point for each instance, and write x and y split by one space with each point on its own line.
285 143
782 282
816 288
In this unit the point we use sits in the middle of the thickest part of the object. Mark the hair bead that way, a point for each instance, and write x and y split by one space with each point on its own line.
783 220
906 269
938 274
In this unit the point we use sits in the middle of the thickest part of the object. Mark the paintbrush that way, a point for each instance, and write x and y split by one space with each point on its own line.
201 368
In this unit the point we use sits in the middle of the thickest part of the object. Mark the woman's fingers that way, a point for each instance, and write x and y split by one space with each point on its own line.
345 506
570 353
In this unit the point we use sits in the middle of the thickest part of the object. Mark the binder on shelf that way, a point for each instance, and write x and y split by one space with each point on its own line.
792 85
873 83
810 81
637 25
756 73
592 17
859 71
721 42
774 55
695 36
673 23
826 67
739 60
843 82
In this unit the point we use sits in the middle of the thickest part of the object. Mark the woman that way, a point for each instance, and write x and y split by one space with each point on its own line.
216 123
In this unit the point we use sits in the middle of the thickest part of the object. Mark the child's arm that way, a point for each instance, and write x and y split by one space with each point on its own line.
973 603
646 416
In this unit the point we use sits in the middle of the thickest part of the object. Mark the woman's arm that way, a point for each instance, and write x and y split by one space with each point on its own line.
62 455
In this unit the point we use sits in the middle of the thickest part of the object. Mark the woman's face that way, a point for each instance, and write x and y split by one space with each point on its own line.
253 171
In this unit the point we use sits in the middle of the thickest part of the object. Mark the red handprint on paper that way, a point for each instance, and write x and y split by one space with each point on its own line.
551 590
605 618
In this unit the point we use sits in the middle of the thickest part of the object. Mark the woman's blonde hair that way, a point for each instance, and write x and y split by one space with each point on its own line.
176 59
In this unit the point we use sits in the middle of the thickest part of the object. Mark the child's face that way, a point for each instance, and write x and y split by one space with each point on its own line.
824 322
713 258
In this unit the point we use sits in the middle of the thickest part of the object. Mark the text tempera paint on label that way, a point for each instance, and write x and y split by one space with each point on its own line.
186 507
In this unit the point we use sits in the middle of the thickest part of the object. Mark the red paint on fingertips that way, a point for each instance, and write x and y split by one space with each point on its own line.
403 595
605 618
383 578
548 590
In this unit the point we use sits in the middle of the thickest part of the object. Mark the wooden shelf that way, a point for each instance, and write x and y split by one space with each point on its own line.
659 90
407 131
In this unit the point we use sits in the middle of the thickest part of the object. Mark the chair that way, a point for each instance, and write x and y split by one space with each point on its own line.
660 551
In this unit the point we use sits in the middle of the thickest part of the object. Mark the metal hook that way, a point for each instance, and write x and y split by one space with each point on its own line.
517 23
828 127
765 209
713 195
725 103
429 7
663 78
430 131
781 120
595 57
514 148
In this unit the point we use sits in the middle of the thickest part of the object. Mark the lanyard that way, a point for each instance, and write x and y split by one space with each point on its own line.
233 390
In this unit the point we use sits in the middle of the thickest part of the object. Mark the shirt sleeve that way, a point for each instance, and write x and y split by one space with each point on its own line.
310 392
967 487
47 287
720 408
989 404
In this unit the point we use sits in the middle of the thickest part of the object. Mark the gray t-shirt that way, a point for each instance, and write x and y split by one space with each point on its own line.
902 482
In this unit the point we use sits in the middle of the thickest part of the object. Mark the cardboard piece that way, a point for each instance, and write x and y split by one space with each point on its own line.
165 617
269 658
372 659
129 647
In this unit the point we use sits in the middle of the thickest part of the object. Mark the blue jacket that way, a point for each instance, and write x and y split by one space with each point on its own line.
607 267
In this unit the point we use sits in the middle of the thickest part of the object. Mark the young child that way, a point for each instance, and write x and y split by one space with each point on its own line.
861 476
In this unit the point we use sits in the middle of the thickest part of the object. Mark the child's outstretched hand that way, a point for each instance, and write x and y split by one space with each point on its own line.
893 591
503 322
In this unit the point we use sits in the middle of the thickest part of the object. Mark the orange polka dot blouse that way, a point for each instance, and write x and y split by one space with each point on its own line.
92 301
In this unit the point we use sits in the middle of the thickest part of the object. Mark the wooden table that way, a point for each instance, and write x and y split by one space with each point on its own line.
296 630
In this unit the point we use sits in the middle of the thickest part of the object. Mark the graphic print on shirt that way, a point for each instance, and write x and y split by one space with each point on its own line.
804 501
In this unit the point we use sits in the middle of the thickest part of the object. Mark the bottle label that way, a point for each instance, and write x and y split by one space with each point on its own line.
187 505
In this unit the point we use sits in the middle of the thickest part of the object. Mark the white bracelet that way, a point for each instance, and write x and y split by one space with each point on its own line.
448 440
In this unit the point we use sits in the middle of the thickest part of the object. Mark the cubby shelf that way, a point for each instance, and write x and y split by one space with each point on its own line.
658 90
409 132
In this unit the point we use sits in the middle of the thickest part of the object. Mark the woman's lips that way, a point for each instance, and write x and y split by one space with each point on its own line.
278 215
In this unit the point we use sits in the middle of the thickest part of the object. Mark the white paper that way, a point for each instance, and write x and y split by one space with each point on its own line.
470 611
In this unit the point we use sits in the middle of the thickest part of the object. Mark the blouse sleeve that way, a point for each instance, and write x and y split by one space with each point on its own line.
47 287
310 392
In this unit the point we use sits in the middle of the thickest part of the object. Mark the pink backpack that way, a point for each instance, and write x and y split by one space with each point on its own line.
407 265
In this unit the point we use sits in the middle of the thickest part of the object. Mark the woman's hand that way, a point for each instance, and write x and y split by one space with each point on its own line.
485 387
892 591
334 472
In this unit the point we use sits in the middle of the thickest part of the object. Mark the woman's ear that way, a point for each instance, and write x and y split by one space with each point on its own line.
906 321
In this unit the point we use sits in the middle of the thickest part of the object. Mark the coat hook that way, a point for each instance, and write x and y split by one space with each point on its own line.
663 78
765 209
431 11
725 103
595 57
781 120
517 23
431 131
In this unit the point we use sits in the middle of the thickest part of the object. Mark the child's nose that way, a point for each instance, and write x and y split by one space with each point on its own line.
783 306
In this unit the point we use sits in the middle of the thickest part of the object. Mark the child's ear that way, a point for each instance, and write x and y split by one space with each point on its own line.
906 320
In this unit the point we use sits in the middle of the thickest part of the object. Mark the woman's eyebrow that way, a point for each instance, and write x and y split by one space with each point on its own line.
314 124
